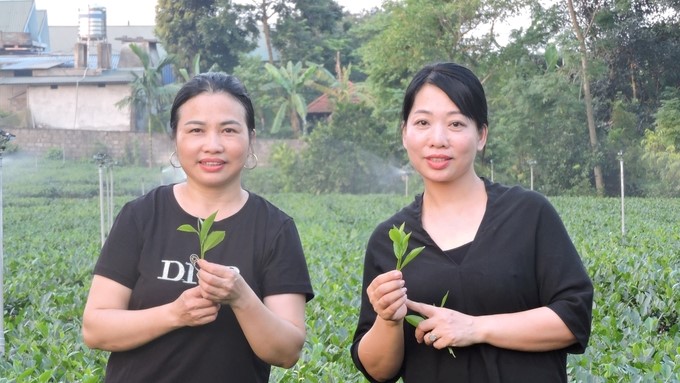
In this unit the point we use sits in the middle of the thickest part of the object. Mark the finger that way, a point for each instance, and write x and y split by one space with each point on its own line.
393 275
421 308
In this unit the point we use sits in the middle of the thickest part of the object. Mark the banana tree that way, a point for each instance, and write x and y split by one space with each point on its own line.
149 94
292 79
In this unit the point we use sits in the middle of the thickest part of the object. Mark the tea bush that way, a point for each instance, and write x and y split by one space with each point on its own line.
51 241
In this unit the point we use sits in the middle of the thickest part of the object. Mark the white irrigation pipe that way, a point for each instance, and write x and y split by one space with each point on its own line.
623 211
2 302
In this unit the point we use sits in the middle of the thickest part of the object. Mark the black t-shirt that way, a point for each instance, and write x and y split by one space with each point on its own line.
521 258
145 252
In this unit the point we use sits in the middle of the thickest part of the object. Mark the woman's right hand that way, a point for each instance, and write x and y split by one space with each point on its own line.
387 295
191 309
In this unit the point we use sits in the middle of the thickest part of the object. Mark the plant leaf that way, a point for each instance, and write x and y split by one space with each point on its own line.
446 296
413 319
414 253
211 241
205 227
187 228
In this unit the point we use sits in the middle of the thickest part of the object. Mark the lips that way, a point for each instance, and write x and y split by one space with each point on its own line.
211 164
438 162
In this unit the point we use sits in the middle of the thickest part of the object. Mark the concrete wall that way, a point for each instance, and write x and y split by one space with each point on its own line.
71 107
125 147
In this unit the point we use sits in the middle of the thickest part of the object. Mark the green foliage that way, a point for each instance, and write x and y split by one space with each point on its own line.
662 150
217 30
400 242
54 154
352 153
206 239
291 80
51 244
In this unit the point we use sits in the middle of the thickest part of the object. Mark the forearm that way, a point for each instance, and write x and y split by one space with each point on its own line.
275 340
381 350
121 330
539 329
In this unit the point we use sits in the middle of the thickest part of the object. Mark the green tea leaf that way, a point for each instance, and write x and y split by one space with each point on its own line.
187 228
205 226
206 239
414 253
413 319
213 240
446 296
400 245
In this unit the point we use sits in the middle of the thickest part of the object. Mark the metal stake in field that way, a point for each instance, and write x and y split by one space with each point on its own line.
531 166
104 161
4 139
623 215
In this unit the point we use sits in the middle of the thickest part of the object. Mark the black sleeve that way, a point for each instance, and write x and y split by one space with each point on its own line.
119 256
376 245
564 284
286 270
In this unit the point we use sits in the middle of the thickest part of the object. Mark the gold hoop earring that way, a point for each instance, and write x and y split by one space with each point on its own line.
251 161
174 160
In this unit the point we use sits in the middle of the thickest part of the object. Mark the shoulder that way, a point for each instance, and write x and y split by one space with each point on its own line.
514 197
263 208
159 194
144 207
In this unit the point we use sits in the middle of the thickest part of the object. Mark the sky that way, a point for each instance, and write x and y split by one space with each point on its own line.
137 12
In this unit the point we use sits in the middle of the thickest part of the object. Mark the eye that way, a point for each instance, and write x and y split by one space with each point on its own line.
457 124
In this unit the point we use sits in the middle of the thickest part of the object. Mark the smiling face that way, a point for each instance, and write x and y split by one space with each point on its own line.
441 142
212 140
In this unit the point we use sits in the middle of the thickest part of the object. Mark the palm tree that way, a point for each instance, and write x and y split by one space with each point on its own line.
148 94
291 79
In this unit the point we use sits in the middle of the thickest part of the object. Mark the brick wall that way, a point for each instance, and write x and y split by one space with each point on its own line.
128 147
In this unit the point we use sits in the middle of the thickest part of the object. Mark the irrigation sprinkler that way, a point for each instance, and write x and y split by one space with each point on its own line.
531 166
405 172
5 137
623 215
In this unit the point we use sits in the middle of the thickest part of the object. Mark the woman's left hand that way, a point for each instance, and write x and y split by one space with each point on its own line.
443 327
219 283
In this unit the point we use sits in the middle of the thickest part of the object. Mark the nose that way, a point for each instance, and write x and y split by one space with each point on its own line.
438 136
213 142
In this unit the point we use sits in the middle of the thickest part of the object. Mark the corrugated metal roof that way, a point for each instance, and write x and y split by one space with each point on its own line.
14 15
107 77
25 65
18 62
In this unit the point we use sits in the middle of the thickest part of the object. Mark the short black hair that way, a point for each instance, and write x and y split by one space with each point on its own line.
213 82
458 82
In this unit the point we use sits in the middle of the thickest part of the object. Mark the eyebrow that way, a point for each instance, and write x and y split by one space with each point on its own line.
226 122
423 111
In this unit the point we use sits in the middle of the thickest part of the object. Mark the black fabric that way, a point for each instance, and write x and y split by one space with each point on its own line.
146 253
521 258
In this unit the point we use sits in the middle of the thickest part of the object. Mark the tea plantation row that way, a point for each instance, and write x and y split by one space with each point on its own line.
51 240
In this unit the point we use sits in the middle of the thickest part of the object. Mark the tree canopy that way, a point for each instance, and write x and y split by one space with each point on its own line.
569 90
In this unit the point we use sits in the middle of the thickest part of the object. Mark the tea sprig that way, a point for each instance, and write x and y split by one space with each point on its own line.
207 239
400 242
415 319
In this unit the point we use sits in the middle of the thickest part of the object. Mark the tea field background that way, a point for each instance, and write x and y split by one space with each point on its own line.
51 215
